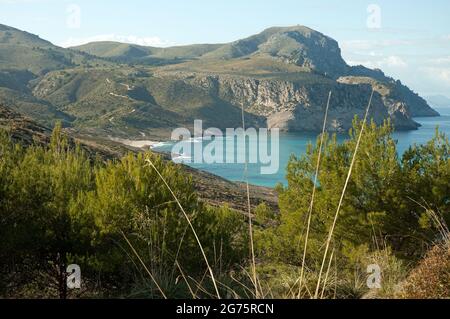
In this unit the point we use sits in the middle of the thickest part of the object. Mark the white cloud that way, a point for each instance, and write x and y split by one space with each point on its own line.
438 74
442 61
132 39
421 63
374 54
365 47
392 61
359 45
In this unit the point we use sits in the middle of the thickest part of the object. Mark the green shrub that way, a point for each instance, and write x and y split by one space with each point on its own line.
60 207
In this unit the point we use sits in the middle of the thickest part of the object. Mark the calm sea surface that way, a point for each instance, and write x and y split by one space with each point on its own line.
296 143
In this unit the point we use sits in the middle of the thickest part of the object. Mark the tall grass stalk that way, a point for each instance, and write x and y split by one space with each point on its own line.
327 273
198 284
143 264
330 234
185 280
250 221
316 176
149 161
240 283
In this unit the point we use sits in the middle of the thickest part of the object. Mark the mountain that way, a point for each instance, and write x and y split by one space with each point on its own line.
132 53
417 106
438 100
298 45
24 58
281 77
26 51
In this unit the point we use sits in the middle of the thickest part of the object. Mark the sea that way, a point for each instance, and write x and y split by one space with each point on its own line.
294 144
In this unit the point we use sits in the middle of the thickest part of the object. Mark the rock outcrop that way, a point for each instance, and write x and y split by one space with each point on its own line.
293 106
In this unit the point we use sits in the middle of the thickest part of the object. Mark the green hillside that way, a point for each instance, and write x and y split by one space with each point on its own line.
24 60
121 102
25 51
297 45
279 76
132 53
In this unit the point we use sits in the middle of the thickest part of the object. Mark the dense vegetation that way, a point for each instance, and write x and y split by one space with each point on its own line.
123 226
59 207
394 209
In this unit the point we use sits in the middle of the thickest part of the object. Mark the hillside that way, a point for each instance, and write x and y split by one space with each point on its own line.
297 45
24 58
22 129
132 53
281 77
27 132
26 51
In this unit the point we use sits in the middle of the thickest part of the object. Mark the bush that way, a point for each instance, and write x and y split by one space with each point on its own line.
431 278
120 222
60 207
385 202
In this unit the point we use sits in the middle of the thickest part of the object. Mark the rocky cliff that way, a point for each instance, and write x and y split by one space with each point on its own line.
296 106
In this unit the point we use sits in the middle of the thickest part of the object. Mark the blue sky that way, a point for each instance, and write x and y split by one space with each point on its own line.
409 40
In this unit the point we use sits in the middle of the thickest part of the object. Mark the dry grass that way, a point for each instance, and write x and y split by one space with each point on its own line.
431 278
254 277
143 264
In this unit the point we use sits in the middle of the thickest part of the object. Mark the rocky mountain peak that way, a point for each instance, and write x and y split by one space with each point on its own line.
281 76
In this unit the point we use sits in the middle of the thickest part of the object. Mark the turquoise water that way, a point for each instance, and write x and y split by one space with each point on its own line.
296 143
